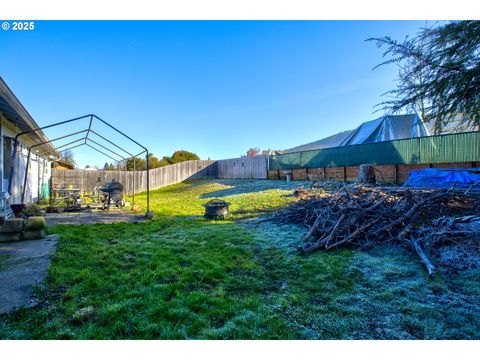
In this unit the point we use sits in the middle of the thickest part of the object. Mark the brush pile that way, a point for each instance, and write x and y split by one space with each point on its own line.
453 242
362 217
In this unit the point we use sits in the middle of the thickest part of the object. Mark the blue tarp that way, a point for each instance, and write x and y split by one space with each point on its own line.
385 128
444 178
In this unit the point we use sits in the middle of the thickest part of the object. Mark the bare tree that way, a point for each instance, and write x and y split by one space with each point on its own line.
253 152
68 157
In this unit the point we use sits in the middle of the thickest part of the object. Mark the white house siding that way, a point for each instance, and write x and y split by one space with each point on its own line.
14 118
35 177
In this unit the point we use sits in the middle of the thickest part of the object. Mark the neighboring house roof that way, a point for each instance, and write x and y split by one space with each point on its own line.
385 128
63 164
270 152
454 125
328 142
15 112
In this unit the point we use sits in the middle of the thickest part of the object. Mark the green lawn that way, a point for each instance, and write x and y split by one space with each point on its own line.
183 277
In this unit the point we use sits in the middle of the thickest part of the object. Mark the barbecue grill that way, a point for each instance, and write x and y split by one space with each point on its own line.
113 194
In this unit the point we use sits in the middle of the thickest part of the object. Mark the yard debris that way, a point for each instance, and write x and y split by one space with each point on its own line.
454 242
321 187
300 192
363 216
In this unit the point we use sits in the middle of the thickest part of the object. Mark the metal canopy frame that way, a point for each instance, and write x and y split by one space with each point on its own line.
84 141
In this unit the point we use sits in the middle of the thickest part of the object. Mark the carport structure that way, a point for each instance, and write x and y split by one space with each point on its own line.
109 149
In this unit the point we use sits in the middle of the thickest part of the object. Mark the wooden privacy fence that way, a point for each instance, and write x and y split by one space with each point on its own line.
85 180
241 168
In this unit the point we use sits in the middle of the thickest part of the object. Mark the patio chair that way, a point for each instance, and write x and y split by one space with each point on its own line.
6 211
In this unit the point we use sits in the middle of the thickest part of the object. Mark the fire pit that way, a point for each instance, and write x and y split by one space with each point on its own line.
216 209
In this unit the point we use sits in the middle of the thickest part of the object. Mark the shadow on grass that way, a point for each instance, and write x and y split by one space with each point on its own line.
251 186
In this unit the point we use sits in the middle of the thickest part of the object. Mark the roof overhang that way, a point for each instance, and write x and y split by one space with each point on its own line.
15 112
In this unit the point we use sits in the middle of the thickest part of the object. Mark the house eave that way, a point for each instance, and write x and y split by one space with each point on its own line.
15 112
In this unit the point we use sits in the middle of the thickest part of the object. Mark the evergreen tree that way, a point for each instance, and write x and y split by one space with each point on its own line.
108 166
439 74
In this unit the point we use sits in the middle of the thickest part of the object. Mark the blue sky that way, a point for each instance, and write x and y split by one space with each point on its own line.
214 88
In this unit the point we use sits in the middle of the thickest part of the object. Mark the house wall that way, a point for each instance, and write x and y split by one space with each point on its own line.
39 168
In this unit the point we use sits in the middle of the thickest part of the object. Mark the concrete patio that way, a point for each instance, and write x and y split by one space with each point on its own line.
23 265
88 217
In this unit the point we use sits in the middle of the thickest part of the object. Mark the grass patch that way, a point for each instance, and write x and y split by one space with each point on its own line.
184 277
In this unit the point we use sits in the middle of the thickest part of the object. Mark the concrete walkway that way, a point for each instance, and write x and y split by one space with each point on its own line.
23 265
87 217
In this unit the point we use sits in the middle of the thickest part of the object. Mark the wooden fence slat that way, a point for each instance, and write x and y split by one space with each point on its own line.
239 168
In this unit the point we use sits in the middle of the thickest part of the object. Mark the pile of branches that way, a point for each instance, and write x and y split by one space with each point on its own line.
453 242
362 217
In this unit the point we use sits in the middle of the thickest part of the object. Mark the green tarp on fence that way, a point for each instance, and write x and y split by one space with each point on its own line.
461 147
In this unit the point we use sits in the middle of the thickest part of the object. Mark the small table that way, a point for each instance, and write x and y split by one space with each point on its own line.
71 196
